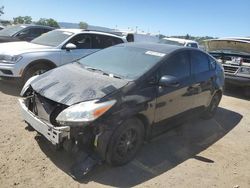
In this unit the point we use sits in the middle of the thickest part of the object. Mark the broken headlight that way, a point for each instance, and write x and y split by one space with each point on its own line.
84 112
27 85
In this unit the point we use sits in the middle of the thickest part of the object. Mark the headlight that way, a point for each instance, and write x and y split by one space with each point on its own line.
84 112
27 85
10 59
244 71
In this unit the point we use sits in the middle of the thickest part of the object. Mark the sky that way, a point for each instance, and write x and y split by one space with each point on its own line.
217 18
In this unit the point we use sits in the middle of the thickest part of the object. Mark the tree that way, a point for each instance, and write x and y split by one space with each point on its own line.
48 22
1 10
27 20
83 25
22 20
187 36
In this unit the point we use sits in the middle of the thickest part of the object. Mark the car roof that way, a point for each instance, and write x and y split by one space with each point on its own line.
179 40
34 25
77 31
155 47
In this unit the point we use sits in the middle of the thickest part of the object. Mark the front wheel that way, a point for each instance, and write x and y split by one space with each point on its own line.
35 70
125 142
212 108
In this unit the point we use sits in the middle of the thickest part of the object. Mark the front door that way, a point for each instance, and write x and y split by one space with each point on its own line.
83 44
172 101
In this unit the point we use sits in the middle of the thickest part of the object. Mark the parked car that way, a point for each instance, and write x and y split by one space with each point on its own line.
23 60
132 36
234 55
114 99
22 32
1 27
179 42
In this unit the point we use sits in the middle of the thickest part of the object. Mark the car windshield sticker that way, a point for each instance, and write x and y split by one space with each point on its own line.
67 33
155 53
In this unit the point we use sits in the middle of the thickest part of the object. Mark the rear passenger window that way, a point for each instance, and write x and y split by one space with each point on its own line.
200 62
45 30
178 65
102 41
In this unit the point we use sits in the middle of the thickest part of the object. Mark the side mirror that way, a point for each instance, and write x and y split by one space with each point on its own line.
70 46
169 81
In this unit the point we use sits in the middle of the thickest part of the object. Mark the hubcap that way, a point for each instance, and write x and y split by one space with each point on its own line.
38 72
127 143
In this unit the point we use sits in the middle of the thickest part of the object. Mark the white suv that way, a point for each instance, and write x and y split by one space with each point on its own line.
179 42
26 59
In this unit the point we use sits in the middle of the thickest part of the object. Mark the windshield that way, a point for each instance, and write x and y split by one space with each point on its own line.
125 62
11 30
171 42
52 38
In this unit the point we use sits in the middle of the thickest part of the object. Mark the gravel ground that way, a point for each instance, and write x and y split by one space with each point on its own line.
211 153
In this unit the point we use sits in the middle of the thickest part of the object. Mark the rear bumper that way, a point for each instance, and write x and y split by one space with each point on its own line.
55 135
237 80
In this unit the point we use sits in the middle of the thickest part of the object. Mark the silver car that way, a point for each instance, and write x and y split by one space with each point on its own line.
25 59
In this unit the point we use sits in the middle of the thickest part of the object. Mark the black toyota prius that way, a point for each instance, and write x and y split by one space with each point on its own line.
113 100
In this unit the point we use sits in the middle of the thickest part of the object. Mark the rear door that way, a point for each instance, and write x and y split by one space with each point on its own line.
172 101
204 77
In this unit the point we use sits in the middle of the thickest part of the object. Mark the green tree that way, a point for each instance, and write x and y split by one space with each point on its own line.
22 20
27 20
187 36
53 23
83 25
48 22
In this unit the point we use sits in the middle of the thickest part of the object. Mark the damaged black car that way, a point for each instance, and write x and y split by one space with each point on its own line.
113 100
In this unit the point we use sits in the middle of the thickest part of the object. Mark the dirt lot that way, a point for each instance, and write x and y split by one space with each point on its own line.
212 153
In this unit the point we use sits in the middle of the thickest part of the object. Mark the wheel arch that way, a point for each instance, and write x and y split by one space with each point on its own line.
45 62
147 128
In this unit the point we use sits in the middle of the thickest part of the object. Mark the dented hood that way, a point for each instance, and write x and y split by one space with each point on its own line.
71 84
234 44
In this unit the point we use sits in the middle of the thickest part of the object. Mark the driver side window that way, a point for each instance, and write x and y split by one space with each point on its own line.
177 65
82 41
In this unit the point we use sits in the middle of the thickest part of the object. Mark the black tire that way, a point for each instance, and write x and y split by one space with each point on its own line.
36 69
125 142
212 108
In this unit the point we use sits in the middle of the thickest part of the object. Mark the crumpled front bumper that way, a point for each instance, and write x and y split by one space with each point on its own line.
55 135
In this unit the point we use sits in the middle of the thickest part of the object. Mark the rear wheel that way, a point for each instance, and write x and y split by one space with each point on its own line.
125 142
212 108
